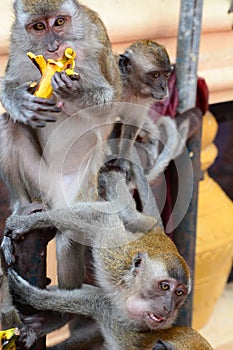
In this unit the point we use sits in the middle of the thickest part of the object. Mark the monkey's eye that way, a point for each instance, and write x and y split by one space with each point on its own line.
156 75
167 74
59 22
39 26
179 292
164 285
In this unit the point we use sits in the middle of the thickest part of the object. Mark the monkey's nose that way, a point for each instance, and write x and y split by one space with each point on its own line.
53 46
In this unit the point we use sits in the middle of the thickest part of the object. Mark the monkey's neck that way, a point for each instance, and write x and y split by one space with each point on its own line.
132 96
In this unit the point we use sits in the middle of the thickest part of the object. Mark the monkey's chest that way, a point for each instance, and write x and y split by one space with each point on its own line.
74 151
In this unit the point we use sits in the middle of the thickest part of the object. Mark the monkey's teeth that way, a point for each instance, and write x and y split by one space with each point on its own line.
155 318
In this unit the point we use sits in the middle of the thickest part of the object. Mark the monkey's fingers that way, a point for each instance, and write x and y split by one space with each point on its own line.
63 85
8 250
27 336
74 77
35 321
18 285
62 82
36 119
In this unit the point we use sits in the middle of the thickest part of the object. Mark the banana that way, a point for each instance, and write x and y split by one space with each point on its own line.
49 67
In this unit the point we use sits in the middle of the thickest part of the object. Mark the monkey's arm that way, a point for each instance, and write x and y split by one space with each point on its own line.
79 222
18 99
86 301
84 217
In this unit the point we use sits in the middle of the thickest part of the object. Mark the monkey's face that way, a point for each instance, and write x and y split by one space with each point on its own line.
155 84
49 34
147 71
156 296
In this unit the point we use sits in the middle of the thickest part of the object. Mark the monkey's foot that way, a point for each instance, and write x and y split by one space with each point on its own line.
33 207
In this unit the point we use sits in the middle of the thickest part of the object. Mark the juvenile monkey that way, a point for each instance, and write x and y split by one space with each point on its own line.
120 332
146 68
145 71
142 279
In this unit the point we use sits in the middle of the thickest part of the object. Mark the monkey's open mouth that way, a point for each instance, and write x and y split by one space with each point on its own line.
152 320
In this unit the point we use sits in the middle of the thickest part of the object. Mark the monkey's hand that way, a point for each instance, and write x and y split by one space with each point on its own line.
23 291
28 335
66 86
32 110
8 250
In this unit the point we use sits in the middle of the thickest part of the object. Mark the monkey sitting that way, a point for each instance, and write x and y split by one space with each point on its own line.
142 281
145 71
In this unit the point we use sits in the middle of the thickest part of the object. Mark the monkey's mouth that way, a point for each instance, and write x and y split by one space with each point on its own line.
159 97
153 321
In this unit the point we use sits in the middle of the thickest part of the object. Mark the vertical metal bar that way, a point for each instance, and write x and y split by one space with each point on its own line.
186 71
187 52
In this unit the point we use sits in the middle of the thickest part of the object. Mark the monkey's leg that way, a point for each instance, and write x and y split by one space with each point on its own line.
72 252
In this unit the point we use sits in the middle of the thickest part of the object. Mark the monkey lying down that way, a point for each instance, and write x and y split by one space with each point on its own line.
142 280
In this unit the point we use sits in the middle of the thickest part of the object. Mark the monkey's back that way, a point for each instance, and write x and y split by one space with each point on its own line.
175 338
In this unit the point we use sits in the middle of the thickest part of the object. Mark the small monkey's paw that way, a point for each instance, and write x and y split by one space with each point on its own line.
8 250
66 86
27 336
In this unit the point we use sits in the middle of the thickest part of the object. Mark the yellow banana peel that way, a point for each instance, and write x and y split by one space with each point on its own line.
8 337
49 67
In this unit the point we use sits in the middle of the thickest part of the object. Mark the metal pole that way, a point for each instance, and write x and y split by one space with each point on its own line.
187 52
186 71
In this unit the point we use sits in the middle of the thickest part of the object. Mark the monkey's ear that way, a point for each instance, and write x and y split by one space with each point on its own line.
160 345
125 64
138 262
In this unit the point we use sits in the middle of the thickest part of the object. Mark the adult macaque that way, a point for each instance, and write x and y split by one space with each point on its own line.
142 279
47 155
51 149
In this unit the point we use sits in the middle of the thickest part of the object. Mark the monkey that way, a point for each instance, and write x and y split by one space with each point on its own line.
145 71
101 210
142 280
40 160
119 333
50 149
